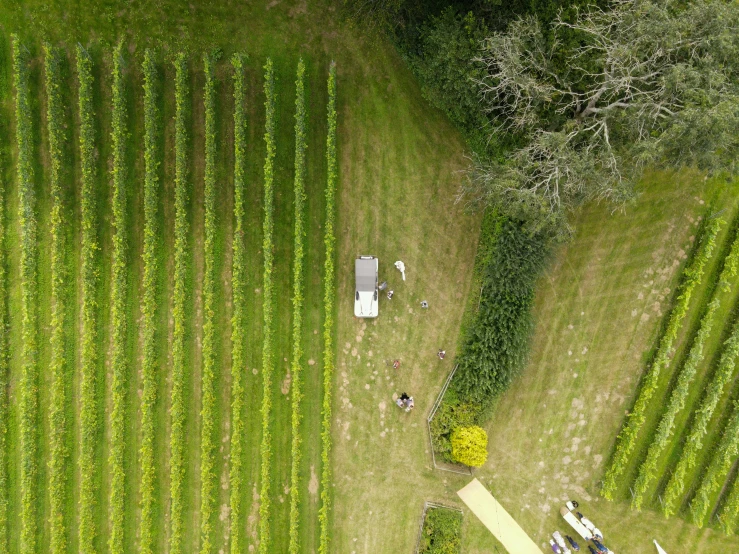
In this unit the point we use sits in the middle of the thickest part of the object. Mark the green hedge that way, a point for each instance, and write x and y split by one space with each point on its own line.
452 413
267 308
329 297
28 405
58 402
626 440
149 303
441 532
89 330
297 319
238 323
118 295
684 380
208 484
729 512
181 228
694 443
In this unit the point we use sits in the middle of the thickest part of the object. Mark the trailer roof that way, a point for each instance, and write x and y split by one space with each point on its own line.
366 272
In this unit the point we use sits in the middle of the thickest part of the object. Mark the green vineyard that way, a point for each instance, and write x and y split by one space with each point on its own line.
680 441
167 326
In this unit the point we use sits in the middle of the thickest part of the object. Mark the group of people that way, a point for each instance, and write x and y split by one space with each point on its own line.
405 402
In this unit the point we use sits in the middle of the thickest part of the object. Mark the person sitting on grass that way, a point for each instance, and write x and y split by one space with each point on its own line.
441 354
409 405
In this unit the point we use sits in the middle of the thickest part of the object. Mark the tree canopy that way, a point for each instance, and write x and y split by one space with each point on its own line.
598 96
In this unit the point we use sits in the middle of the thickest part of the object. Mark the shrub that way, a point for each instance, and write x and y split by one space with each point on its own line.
297 331
496 342
684 380
452 413
442 532
57 415
151 268
329 278
470 445
208 490
89 335
238 332
177 409
28 405
626 440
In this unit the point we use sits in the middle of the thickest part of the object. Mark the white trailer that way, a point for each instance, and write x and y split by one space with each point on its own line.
579 528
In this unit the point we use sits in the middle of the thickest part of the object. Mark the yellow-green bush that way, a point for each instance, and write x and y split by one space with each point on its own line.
470 445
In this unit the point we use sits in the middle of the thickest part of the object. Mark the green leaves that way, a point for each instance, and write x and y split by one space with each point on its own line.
627 438
238 332
297 353
267 308
89 332
329 297
150 261
181 227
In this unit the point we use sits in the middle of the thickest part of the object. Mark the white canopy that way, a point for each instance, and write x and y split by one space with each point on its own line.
660 550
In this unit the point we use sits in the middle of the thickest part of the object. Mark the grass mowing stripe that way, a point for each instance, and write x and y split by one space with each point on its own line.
627 437
328 324
298 256
149 358
685 379
207 444
238 331
28 407
57 415
267 307
181 229
118 365
90 278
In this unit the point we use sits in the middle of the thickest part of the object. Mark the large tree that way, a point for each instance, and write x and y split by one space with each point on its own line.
597 97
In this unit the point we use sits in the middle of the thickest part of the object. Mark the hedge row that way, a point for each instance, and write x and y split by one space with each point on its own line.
329 276
721 461
694 443
684 380
208 490
29 292
181 228
267 308
89 334
58 402
729 513
297 352
627 438
118 294
150 262
238 331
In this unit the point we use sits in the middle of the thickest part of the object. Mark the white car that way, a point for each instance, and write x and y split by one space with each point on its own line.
366 293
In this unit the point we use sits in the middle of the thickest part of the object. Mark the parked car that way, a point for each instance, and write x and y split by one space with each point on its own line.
366 294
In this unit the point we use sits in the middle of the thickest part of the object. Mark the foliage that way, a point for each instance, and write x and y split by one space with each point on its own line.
238 331
118 294
29 291
684 380
442 532
729 512
89 331
446 68
57 416
721 461
208 489
496 343
452 413
297 301
626 440
329 297
177 408
267 306
149 307
642 82
694 443
470 445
